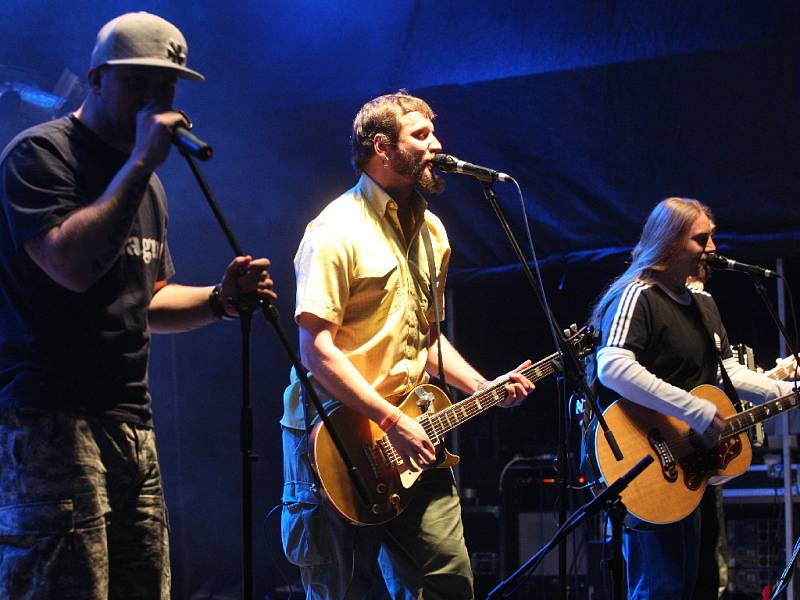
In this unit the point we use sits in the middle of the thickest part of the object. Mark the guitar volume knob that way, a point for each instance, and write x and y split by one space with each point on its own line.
381 488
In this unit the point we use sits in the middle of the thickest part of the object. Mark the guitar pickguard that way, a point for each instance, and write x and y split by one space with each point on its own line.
728 450
696 467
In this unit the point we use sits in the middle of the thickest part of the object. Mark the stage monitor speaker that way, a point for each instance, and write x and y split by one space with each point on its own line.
483 533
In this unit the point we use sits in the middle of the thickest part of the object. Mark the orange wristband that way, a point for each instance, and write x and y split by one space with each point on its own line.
391 420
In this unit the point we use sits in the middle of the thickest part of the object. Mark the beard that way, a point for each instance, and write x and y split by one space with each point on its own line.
404 163
703 273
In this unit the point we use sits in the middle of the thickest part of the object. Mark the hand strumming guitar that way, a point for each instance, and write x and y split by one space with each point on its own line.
412 443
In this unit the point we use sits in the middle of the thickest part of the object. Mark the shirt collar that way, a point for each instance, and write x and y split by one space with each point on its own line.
377 197
685 297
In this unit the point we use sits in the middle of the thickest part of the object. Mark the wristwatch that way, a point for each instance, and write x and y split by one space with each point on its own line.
217 305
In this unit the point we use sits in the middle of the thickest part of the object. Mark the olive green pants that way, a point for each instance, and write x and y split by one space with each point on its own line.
419 554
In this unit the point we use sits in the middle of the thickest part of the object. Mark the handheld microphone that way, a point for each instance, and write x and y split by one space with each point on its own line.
451 164
189 143
728 264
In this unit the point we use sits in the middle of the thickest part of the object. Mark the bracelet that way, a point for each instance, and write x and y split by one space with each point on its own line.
217 305
391 420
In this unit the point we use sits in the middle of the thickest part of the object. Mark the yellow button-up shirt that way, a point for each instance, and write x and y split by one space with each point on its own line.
355 269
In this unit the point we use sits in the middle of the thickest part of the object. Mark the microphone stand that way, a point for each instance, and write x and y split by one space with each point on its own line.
573 371
762 292
608 499
786 576
247 305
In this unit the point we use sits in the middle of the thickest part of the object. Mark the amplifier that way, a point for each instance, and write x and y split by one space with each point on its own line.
483 533
761 483
755 552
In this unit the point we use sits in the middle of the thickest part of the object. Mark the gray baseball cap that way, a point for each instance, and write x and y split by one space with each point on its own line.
141 38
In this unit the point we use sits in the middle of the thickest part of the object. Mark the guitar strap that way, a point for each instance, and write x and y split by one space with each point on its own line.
726 380
426 238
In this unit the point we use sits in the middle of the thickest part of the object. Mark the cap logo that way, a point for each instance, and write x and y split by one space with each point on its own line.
176 53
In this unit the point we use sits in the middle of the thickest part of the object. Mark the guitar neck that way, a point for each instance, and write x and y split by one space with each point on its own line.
460 412
746 419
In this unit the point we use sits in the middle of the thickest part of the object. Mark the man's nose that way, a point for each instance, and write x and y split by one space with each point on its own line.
435 145
710 247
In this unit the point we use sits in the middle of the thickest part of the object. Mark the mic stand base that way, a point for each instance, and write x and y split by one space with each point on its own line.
615 565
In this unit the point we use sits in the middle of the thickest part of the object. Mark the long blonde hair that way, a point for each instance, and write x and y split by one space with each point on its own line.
662 233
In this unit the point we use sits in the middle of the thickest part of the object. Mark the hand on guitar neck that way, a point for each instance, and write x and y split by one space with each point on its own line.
517 386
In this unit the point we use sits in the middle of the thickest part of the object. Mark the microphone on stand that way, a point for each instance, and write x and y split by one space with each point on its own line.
717 261
189 143
451 164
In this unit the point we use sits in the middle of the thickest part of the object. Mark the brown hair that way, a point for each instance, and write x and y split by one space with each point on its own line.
663 231
381 115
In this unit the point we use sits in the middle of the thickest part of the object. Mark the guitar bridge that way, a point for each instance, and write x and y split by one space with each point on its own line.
669 467
387 452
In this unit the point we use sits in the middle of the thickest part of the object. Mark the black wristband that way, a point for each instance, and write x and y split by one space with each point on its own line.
217 305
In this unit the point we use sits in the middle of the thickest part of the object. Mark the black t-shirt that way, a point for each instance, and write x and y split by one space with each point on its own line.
60 349
670 339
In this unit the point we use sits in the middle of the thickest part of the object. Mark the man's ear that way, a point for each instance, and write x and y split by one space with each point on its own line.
94 77
381 145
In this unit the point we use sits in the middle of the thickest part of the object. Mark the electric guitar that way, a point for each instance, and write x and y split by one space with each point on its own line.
388 478
673 485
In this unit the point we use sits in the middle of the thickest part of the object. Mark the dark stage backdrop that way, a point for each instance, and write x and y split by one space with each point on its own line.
600 109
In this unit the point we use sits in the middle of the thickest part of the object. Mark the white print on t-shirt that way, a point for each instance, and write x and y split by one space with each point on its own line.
148 249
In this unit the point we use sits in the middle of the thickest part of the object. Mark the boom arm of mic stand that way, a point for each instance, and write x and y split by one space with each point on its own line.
571 363
762 292
271 314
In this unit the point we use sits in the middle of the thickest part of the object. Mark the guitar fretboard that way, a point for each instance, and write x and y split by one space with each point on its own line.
746 419
437 424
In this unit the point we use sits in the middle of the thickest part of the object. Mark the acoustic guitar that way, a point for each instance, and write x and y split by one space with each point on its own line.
673 485
388 478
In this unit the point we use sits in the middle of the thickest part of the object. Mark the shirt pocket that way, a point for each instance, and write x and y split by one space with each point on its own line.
376 289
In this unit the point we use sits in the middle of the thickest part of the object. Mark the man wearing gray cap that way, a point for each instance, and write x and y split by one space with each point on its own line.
84 270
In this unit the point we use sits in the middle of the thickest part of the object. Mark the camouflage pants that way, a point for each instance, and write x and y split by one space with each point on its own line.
82 513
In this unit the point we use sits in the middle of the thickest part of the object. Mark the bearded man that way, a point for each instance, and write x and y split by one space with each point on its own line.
368 335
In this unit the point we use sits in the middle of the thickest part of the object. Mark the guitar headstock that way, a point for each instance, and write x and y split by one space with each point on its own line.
785 369
583 340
